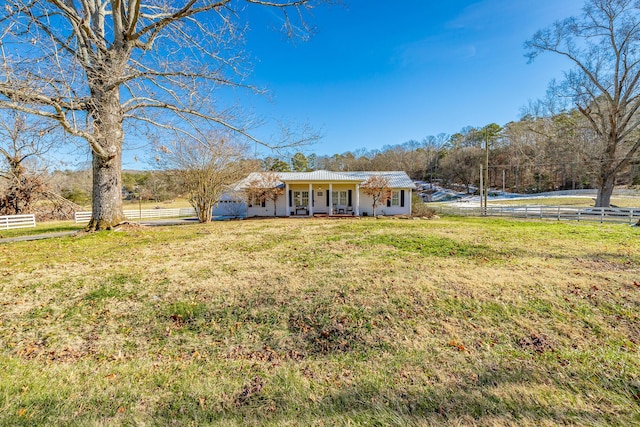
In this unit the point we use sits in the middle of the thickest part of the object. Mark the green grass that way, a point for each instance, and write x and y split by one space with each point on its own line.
42 228
573 201
577 201
457 321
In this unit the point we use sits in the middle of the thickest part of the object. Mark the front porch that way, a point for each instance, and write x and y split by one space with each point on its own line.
329 199
325 215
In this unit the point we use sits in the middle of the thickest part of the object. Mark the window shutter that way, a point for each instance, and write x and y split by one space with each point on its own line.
402 198
349 201
327 197
290 198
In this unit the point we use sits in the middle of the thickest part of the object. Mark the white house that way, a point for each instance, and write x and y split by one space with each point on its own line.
330 193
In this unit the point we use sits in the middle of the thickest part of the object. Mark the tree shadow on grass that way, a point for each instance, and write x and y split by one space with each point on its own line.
495 397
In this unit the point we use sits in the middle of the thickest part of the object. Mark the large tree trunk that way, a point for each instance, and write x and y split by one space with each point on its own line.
107 166
605 190
107 193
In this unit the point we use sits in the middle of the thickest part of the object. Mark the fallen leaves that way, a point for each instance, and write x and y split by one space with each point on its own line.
456 345
248 391
536 343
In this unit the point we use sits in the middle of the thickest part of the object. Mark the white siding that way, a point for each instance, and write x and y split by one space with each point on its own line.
366 205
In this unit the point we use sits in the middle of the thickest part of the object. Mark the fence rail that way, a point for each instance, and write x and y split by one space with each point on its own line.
559 213
143 214
17 221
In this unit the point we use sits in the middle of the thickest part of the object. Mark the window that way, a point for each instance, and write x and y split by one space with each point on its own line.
339 198
301 198
395 198
254 202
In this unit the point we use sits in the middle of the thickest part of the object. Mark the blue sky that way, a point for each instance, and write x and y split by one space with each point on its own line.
377 73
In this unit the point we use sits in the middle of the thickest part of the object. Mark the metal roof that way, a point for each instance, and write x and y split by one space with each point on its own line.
320 175
397 179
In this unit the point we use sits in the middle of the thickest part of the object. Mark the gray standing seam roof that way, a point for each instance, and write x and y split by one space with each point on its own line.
397 179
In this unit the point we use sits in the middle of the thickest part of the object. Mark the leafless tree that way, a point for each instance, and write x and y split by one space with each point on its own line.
377 187
462 165
22 143
603 45
267 187
433 148
100 67
206 168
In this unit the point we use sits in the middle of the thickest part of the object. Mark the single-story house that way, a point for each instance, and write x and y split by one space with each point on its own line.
328 193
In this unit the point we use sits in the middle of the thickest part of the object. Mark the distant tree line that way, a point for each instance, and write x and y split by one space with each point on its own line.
557 152
534 154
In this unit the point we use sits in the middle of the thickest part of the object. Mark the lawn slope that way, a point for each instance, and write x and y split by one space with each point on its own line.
323 322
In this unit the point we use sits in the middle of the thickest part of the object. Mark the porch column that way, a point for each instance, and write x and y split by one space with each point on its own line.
310 199
356 209
286 204
330 199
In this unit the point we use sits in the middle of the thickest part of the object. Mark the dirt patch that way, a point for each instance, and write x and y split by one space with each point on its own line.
265 354
536 343
249 391
324 333
129 226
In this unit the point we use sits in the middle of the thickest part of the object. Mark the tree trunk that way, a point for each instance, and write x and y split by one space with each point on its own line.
107 193
107 167
204 215
204 209
605 190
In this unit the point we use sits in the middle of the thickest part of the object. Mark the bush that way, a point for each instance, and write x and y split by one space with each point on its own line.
420 209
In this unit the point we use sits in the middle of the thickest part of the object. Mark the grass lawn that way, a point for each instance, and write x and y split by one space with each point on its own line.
42 228
456 321
578 202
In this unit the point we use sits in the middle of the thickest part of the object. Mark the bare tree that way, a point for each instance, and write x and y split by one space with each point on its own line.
97 67
205 168
462 164
22 142
603 44
377 187
267 187
433 147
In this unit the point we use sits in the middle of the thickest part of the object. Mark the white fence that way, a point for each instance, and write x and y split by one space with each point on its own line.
630 215
17 221
136 214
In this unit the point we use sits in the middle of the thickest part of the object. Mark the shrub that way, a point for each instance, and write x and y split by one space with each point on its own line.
420 209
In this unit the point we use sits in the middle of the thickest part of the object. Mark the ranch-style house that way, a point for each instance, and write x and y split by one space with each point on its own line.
329 193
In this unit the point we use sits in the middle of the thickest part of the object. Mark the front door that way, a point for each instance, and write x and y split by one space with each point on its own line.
320 201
